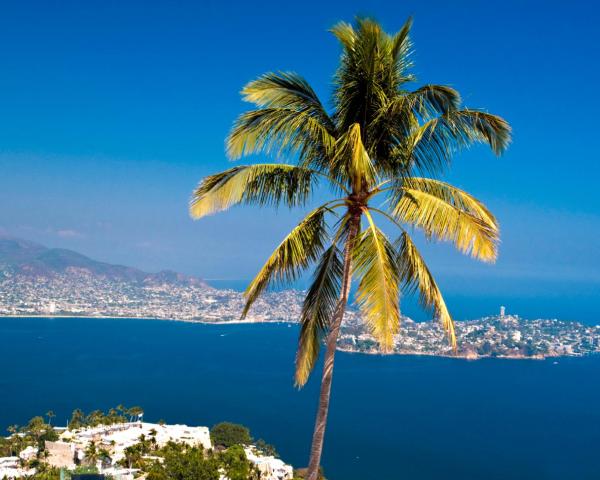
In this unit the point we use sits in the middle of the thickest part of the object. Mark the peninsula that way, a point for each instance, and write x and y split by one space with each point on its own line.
37 281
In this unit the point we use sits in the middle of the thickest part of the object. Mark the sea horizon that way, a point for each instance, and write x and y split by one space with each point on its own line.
555 299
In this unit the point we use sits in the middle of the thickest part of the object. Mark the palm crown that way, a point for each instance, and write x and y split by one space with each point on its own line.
380 151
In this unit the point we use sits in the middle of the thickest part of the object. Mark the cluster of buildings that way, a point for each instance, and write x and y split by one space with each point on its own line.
77 292
16 467
80 293
506 336
73 448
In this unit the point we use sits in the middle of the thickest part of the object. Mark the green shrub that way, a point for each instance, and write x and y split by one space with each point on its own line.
227 434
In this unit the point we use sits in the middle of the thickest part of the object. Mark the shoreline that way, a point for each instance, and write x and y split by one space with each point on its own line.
466 356
165 319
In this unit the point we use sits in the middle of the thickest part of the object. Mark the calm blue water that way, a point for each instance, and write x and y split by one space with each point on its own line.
391 418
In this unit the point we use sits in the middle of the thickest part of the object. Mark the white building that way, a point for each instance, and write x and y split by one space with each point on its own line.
10 467
72 444
28 454
270 468
116 438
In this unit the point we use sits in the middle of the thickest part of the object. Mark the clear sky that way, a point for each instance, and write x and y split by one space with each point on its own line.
111 111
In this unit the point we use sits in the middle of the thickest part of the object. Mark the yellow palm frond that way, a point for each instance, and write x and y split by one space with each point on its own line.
416 276
352 162
287 90
318 309
378 293
459 198
260 184
298 250
345 33
447 213
279 131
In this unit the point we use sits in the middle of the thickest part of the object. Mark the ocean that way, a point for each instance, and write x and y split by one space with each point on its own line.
392 417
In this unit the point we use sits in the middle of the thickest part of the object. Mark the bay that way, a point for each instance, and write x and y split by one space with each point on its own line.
392 417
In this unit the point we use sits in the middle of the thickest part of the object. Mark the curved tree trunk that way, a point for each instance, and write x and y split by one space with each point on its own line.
331 343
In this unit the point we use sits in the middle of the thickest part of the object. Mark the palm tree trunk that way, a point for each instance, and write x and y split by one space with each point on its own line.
331 343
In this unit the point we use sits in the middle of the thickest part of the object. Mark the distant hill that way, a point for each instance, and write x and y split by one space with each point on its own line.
32 259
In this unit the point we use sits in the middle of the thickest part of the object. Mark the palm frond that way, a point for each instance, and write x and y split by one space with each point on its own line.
459 198
432 145
351 161
399 117
287 90
368 75
260 184
293 255
415 276
401 48
447 213
378 295
318 309
433 100
345 34
280 131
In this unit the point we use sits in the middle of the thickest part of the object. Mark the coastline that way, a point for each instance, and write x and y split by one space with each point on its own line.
469 356
116 317
461 356
165 319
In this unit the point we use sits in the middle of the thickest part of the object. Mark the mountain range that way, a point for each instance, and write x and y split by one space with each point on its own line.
32 259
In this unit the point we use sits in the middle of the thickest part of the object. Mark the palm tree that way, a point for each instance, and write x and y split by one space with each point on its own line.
50 414
91 453
16 441
104 457
135 413
381 152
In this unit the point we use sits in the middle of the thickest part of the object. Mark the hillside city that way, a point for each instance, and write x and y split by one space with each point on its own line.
77 292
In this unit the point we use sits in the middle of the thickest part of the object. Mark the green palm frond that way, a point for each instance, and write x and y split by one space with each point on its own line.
449 214
401 48
378 295
416 276
433 100
293 255
279 131
392 129
318 308
260 184
432 145
287 90
368 75
403 111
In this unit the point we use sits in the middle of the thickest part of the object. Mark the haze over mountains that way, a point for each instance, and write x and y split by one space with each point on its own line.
24 257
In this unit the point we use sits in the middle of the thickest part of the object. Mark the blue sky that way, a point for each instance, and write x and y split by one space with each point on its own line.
112 111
